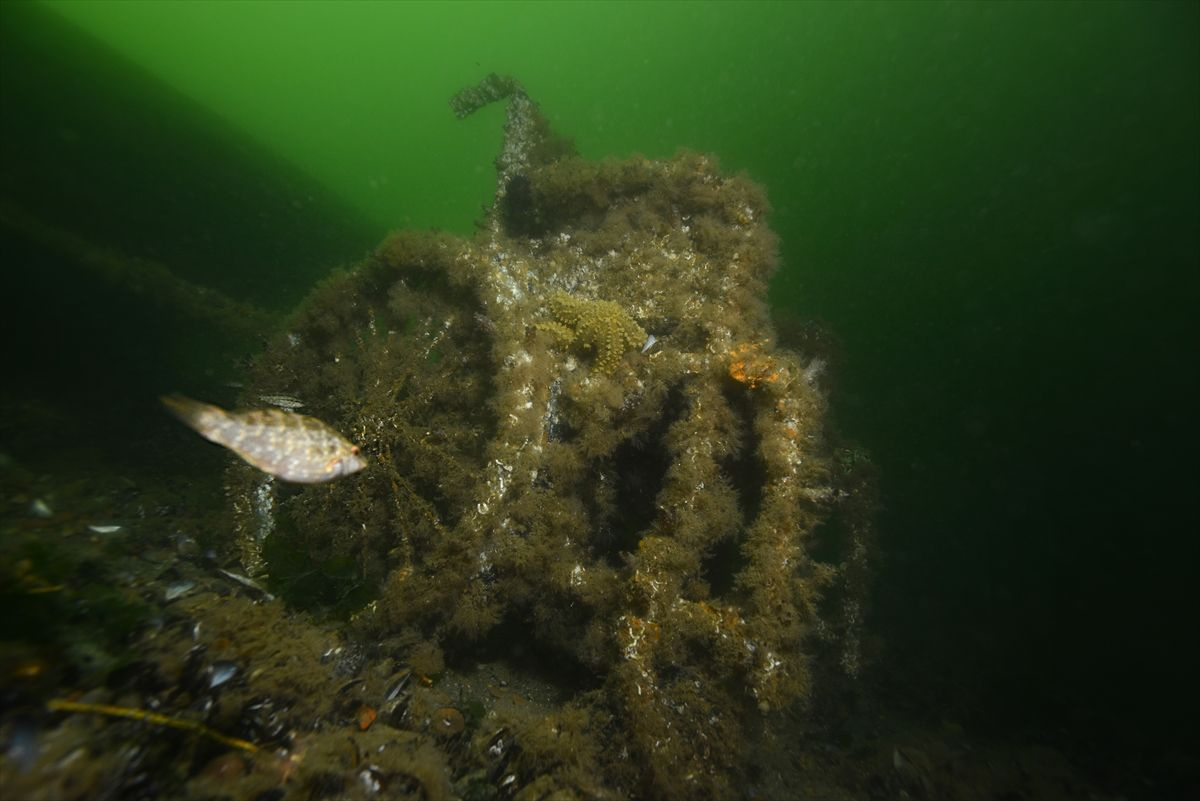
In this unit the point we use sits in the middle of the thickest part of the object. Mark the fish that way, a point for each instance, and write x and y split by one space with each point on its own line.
293 447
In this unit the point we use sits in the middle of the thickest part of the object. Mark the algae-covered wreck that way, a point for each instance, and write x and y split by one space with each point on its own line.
588 447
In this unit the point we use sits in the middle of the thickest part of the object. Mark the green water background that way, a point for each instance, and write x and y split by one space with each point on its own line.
995 206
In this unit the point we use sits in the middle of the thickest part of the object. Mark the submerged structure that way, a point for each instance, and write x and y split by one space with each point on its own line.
588 454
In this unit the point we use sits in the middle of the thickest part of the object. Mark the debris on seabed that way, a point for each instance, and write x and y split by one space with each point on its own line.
288 402
247 583
366 716
448 721
61 705
178 589
221 672
104 529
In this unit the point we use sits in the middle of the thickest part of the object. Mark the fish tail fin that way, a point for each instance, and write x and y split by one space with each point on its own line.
203 417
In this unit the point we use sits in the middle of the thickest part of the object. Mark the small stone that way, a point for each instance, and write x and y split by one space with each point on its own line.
448 721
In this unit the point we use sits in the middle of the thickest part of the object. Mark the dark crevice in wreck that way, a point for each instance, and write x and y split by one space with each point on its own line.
639 468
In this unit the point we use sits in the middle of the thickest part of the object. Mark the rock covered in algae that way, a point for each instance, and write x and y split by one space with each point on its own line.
657 521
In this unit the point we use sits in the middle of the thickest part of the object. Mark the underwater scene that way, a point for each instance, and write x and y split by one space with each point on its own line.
558 401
